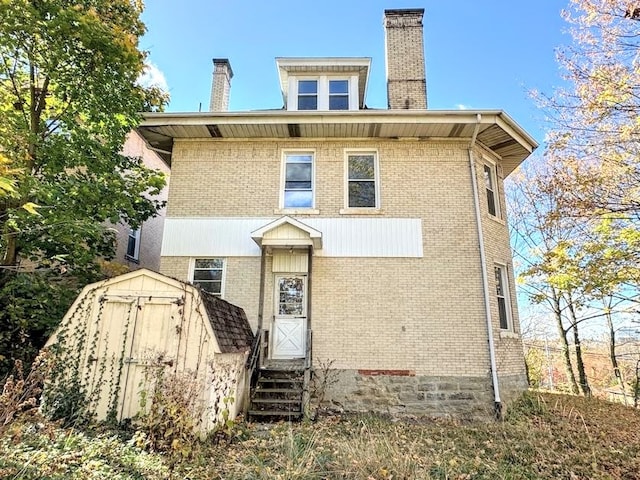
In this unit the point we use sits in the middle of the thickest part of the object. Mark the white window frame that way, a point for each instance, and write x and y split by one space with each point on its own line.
376 167
283 181
323 91
192 269
342 94
495 190
506 295
317 94
135 235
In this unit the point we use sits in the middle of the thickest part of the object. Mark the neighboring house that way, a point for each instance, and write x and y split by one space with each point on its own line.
371 242
140 248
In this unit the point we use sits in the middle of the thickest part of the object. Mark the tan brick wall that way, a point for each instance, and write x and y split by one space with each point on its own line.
151 230
220 85
406 81
421 314
242 281
509 352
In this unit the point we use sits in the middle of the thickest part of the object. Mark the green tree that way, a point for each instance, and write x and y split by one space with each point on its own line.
68 97
594 120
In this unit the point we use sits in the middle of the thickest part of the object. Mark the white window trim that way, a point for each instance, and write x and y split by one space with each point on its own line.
347 210
283 178
136 250
323 91
493 172
192 268
504 276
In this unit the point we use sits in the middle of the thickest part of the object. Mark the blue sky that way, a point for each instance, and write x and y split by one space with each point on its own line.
479 55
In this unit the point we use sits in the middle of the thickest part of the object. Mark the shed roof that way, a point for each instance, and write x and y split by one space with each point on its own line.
229 323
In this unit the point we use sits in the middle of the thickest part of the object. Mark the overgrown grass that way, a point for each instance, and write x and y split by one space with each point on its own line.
542 436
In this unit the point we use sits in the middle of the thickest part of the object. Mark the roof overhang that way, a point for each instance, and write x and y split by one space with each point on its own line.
324 66
497 131
287 232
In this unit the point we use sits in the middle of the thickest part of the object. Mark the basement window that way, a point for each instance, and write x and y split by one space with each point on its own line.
208 274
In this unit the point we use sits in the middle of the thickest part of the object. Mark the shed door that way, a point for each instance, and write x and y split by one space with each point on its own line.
108 337
289 329
132 334
154 341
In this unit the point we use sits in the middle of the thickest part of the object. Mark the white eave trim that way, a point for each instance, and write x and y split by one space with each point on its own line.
489 117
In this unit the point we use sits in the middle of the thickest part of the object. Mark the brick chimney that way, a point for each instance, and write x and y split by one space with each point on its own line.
404 46
220 85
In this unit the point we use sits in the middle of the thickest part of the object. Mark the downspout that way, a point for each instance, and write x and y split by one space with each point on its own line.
497 404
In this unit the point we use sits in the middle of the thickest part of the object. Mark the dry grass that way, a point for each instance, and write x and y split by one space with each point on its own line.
543 436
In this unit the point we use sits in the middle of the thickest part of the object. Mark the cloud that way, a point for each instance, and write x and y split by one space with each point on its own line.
152 76
461 106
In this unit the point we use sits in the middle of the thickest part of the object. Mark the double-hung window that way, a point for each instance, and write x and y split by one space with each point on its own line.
362 175
338 94
324 93
493 204
307 95
502 295
208 274
133 245
298 180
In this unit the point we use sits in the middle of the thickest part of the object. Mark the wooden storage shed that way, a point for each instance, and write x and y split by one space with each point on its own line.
124 333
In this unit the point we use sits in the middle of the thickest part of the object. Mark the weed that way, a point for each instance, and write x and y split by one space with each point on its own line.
20 395
323 378
171 411
529 404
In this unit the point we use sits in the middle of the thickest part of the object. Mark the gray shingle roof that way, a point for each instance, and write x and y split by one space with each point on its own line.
229 323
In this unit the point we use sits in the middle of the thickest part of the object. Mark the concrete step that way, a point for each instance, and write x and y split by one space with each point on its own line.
261 390
274 413
274 401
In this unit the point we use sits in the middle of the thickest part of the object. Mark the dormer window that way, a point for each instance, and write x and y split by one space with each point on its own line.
323 84
338 94
308 95
325 93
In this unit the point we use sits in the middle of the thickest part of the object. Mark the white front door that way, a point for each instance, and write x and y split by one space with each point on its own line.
288 334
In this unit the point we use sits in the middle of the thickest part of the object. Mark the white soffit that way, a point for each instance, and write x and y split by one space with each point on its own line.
342 237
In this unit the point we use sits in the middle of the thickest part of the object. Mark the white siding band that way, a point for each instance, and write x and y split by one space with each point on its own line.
341 237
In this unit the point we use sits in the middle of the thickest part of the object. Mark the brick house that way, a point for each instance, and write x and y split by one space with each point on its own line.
140 248
374 241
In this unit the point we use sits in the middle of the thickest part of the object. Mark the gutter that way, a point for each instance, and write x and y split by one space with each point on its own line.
497 403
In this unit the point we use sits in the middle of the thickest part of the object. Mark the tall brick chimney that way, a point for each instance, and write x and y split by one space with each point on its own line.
404 46
220 85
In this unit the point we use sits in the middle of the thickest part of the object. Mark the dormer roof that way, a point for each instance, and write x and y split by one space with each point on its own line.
301 66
